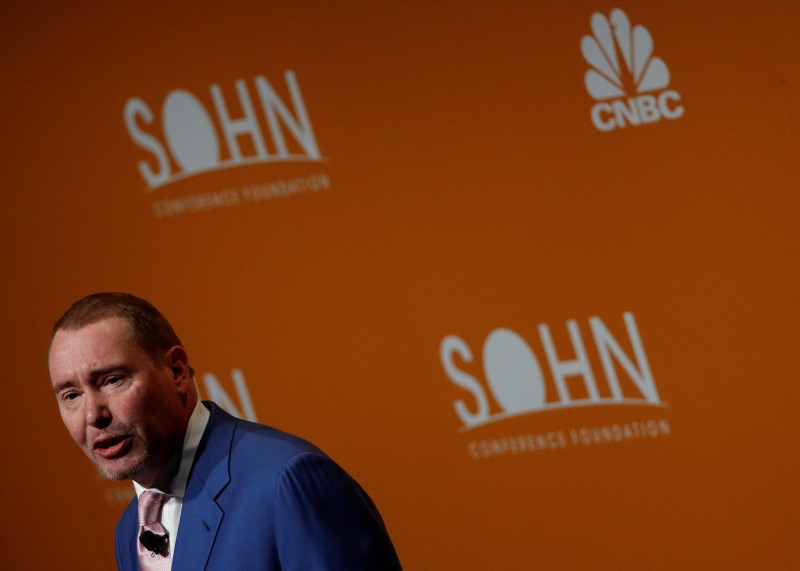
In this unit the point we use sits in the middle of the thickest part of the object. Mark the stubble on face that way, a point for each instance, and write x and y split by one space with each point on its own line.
127 473
146 411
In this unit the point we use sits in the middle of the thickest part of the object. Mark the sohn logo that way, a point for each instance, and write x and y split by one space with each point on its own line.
629 83
515 378
190 133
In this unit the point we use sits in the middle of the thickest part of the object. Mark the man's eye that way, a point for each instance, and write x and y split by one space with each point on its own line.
70 396
114 380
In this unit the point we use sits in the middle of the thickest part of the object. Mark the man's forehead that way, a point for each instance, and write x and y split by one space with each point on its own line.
90 339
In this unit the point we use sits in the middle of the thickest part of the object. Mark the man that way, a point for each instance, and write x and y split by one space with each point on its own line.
213 491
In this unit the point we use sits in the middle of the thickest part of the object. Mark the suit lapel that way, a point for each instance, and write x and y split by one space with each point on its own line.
201 516
125 538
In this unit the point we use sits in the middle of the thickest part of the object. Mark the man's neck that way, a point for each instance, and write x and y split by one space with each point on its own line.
173 479
163 482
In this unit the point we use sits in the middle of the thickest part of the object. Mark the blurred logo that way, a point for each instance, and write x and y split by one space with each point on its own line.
253 126
514 383
628 81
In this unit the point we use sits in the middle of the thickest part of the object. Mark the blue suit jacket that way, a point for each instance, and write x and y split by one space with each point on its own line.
261 499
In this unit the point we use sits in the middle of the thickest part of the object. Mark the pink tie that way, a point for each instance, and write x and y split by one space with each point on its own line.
159 559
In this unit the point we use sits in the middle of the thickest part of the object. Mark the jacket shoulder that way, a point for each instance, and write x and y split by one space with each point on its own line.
251 438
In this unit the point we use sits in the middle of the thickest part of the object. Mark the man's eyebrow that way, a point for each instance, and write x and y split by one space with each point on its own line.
93 374
63 385
111 369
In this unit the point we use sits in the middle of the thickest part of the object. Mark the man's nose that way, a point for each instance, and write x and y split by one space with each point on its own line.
98 414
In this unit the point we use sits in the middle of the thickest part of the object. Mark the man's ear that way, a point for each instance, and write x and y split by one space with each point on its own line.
178 362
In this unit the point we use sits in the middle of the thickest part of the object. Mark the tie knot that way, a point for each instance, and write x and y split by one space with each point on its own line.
150 504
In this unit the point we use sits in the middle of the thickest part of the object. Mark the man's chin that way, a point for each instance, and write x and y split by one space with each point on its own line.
126 468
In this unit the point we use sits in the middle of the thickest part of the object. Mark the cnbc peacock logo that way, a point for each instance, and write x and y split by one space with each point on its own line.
628 82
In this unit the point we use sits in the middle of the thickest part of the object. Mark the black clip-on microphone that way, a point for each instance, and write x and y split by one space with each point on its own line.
153 542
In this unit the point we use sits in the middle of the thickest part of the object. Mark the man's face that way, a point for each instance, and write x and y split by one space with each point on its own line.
127 413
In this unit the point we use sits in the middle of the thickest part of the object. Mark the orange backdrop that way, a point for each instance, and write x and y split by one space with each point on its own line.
526 269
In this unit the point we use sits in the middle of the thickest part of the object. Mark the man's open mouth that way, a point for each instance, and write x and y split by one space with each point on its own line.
113 447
